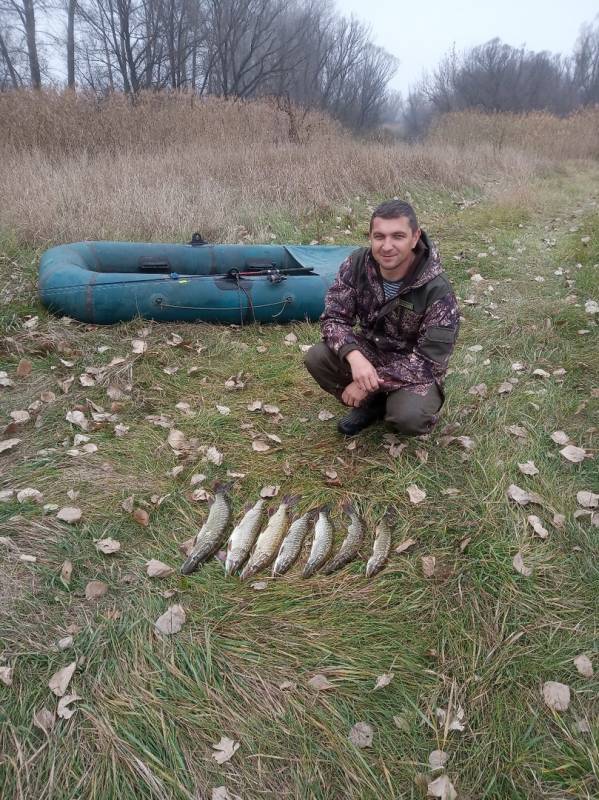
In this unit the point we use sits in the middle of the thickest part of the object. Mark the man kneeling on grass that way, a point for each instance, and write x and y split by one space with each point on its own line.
394 367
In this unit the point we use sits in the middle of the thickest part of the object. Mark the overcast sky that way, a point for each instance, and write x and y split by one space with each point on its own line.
420 32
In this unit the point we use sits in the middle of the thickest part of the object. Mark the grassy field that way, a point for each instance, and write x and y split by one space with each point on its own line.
476 639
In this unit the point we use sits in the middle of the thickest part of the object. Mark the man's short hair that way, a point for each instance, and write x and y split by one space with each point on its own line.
392 209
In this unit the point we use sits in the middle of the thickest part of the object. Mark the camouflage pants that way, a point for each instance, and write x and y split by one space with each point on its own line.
410 414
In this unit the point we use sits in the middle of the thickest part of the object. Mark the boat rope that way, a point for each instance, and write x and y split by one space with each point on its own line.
286 301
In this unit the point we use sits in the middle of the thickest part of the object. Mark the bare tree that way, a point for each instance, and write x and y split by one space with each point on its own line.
20 15
586 65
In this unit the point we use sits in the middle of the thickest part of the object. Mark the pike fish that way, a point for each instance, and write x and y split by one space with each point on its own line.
381 547
351 544
321 544
268 542
292 544
243 537
211 534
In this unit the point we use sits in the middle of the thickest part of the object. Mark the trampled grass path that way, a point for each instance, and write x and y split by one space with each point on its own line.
474 642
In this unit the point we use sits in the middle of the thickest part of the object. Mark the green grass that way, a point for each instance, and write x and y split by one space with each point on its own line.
478 635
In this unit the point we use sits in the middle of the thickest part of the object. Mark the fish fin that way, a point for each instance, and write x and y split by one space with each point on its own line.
348 507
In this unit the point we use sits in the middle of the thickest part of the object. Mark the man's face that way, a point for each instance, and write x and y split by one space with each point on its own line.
392 241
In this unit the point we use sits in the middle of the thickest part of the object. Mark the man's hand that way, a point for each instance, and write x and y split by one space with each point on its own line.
353 395
362 371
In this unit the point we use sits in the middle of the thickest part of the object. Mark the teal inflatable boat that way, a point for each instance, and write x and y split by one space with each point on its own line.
107 282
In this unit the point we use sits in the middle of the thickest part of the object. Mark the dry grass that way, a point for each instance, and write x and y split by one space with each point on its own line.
545 135
77 169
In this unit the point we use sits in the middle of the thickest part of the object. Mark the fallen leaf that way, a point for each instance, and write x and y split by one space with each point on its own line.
24 368
361 734
288 685
518 495
396 450
63 709
480 390
416 495
324 415
141 517
65 643
428 566
560 437
44 719
59 682
291 338
225 749
108 546
139 346
260 446
518 563
556 695
6 675
270 491
559 520
95 589
537 526
528 468
8 444
517 430
505 388
455 722
69 514
541 373
259 586
200 494
450 491
383 680
437 760
573 454
270 409
157 569
255 405
171 621
77 418
320 683
127 504
442 788
464 543
214 456
466 442
20 417
402 723
224 410
587 499
187 546
222 793
584 666
405 545
30 495
177 439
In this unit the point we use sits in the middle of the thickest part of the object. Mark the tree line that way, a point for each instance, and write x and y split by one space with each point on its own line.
496 77
300 51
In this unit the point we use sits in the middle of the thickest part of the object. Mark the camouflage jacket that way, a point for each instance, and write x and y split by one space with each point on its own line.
407 339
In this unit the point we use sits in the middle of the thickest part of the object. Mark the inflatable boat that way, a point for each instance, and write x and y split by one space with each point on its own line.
108 282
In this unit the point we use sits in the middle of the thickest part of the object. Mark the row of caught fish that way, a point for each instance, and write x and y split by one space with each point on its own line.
251 550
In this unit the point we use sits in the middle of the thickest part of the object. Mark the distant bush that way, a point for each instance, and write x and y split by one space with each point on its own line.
545 135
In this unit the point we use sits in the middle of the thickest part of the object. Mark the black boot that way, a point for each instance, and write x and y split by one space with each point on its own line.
363 416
